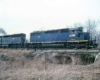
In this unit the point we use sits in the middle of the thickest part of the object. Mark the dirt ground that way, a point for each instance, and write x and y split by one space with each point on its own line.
18 65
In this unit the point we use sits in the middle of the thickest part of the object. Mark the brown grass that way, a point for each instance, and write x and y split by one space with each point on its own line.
23 68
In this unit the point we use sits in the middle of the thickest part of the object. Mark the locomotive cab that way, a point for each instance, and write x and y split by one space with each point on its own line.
72 33
77 38
76 34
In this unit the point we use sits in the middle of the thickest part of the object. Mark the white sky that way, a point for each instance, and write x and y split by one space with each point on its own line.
25 16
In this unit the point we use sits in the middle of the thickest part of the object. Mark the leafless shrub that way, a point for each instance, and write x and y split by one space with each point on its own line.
4 57
29 55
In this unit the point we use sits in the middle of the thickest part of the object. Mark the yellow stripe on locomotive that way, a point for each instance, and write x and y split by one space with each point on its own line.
79 41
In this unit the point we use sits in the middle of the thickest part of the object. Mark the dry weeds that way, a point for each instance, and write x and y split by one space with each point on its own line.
23 68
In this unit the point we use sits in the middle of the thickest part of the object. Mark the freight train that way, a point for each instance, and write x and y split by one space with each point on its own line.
66 37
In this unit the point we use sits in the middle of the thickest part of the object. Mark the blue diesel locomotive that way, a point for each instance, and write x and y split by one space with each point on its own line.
68 37
13 41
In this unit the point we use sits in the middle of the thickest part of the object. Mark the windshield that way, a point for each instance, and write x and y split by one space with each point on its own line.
72 34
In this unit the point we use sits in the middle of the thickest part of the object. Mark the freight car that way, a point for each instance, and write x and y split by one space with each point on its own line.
13 41
68 37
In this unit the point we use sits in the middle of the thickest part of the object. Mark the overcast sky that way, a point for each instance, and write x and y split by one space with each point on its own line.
25 16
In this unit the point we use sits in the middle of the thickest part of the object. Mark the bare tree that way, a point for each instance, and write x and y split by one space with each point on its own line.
91 26
98 39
